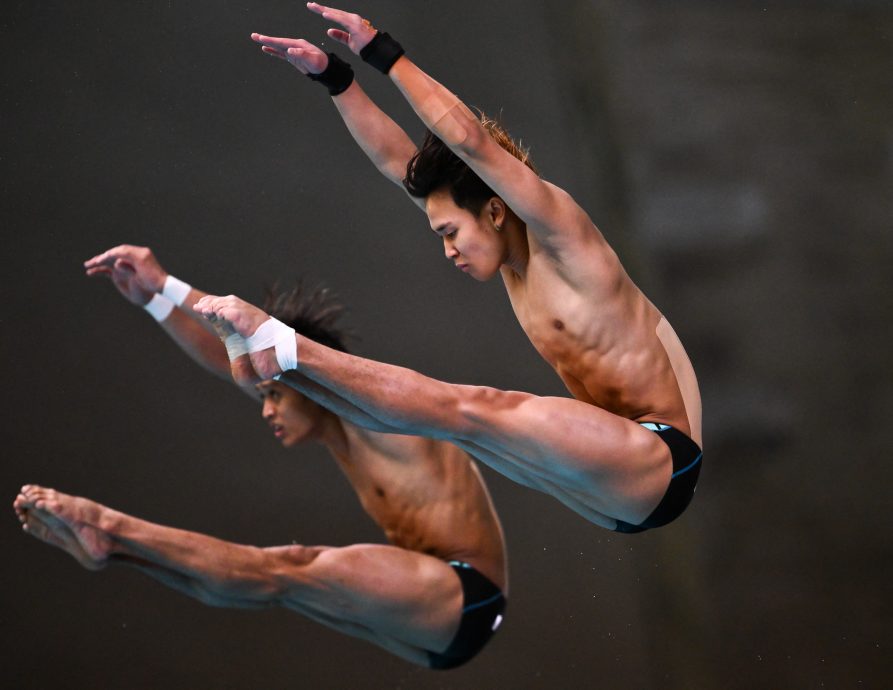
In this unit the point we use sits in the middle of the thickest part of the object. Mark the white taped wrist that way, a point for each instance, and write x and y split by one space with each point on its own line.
175 290
235 346
274 333
160 307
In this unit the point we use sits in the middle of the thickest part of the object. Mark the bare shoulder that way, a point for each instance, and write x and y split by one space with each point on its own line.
568 239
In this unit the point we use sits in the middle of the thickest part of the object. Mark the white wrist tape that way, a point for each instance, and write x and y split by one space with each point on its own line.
273 333
160 307
235 346
175 290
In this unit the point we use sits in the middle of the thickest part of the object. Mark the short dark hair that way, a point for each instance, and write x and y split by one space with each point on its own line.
434 167
312 312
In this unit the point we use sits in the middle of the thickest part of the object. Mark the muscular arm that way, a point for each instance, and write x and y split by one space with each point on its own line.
382 140
203 347
551 214
138 276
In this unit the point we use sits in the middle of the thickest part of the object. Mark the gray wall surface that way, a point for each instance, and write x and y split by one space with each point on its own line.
739 157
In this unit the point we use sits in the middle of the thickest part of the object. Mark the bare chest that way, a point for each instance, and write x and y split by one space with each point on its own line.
597 341
561 324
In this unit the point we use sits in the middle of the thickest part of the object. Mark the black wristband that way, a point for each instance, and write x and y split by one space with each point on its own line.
382 52
336 77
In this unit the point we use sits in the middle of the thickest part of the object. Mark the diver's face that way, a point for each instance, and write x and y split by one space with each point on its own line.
292 416
471 242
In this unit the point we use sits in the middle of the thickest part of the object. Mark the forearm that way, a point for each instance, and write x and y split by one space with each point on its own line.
438 108
199 343
382 140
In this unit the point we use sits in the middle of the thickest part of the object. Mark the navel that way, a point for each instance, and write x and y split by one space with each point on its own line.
558 324
379 492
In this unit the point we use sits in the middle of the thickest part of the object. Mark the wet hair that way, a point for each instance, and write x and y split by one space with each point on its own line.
434 167
312 312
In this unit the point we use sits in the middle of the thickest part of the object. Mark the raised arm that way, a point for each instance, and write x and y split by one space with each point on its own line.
140 279
382 140
550 213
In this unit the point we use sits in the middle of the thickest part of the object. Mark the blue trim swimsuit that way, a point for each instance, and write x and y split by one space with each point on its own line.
482 609
686 468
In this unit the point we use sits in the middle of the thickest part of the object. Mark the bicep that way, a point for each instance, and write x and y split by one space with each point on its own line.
549 212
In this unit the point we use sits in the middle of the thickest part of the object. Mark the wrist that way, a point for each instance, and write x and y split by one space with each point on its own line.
382 52
336 77
175 290
273 333
159 307
236 346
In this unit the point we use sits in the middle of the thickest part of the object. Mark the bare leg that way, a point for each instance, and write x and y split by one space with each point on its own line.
404 601
603 466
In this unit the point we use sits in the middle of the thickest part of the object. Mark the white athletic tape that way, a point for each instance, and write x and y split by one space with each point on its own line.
175 290
160 307
235 346
274 333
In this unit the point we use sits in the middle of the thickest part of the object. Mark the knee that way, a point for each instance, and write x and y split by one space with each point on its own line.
478 408
289 567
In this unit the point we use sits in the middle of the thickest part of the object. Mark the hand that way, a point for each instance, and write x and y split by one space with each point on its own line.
124 278
357 31
136 267
301 54
233 315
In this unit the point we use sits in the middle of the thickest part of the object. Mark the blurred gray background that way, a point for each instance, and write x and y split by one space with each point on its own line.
738 155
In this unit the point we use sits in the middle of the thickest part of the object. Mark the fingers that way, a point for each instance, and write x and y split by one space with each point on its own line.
108 258
204 305
275 53
99 271
339 35
124 266
211 305
352 22
276 42
105 259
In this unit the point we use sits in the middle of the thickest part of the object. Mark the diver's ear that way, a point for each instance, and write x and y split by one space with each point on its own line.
496 212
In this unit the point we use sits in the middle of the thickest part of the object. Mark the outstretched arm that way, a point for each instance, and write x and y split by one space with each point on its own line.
550 213
381 139
138 276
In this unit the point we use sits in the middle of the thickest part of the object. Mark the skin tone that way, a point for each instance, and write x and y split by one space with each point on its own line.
612 348
426 495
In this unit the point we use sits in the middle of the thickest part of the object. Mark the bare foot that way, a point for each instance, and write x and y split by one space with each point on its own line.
68 522
59 536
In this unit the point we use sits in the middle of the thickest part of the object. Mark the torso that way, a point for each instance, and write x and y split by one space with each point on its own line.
608 343
427 496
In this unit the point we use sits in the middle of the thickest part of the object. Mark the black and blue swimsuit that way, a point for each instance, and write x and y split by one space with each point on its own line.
482 609
687 457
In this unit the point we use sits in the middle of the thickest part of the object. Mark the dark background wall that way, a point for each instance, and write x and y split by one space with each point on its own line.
738 155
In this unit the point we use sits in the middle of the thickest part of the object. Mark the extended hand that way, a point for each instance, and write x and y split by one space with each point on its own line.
303 55
127 259
133 270
124 278
356 33
233 315
239 316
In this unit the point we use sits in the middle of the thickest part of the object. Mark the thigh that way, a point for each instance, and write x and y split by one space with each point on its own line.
601 465
395 597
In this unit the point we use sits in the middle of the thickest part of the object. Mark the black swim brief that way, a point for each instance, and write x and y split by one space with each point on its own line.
482 608
686 468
